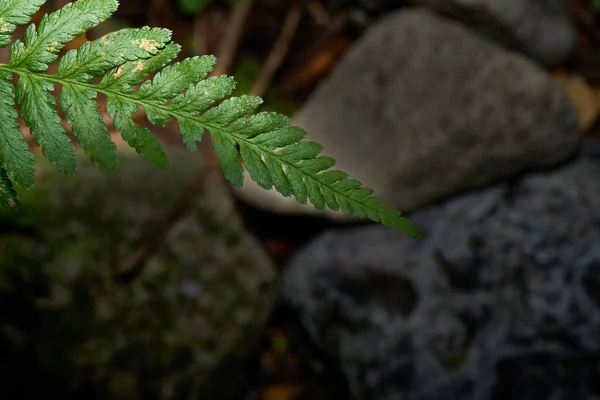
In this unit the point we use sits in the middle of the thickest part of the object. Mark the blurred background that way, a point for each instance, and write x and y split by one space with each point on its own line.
477 118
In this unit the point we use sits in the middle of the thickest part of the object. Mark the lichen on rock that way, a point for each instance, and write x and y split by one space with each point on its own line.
181 327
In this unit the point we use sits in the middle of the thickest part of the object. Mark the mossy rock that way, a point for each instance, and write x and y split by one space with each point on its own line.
180 328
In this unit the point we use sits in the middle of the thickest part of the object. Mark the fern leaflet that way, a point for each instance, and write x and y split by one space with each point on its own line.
135 71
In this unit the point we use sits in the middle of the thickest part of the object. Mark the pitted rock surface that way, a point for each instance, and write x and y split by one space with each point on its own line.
500 299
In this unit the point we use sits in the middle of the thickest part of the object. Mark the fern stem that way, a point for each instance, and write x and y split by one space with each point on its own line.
208 126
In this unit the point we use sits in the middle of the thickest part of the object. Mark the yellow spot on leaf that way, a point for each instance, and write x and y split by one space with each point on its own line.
119 72
149 45
139 67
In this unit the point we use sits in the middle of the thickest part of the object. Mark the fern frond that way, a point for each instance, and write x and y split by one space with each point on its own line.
274 153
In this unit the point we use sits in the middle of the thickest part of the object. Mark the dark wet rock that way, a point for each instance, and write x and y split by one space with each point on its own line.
500 299
180 328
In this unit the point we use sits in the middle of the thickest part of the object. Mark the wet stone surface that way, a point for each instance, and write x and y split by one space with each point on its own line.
499 299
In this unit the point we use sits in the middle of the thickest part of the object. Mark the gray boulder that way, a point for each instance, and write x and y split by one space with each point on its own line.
541 29
180 328
500 299
422 108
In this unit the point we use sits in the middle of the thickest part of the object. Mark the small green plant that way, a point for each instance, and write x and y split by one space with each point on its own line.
133 70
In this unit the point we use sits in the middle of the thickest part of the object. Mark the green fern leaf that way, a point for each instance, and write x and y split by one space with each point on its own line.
121 79
274 153
8 194
13 13
176 78
39 112
14 153
97 57
88 126
42 45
